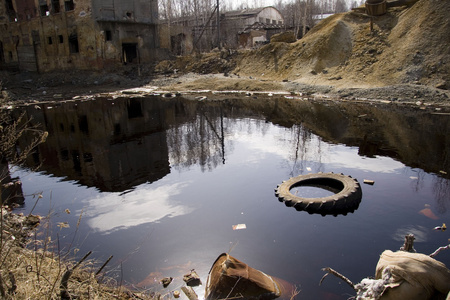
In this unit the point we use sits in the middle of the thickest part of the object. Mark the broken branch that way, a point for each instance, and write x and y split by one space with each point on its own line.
337 274
65 279
439 250
107 261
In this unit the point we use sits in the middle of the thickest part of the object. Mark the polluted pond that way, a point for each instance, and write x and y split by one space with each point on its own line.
163 185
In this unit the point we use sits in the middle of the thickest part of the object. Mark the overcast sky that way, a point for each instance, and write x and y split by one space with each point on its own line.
251 3
257 3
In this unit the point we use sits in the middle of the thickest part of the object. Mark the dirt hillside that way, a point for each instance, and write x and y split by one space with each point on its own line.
409 44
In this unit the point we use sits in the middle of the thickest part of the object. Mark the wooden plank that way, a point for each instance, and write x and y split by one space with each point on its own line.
190 293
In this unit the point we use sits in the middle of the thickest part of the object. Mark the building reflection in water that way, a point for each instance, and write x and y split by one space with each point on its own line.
115 144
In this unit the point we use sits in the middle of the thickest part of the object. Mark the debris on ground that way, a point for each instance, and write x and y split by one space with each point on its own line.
192 279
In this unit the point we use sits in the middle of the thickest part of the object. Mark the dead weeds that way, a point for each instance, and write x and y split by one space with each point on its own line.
37 270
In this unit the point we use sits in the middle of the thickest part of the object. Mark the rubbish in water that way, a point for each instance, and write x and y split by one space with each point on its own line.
190 293
192 279
176 294
308 169
367 181
443 227
230 278
239 226
428 213
166 281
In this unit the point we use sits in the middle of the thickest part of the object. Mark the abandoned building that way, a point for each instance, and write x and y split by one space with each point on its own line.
244 28
238 29
46 35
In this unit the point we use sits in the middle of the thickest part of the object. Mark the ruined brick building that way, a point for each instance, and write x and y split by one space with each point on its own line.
46 35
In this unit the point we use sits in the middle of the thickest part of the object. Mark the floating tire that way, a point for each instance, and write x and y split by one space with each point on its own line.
346 198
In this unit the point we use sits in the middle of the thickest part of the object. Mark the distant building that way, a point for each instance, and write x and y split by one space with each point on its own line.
241 28
45 35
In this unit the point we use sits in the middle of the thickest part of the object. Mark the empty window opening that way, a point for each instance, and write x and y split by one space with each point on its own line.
134 109
64 154
76 161
10 11
44 10
55 6
267 21
73 43
36 158
108 35
129 53
69 5
83 124
10 55
129 14
50 41
61 39
117 129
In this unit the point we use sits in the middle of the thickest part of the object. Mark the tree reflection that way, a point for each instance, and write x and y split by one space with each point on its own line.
441 191
116 144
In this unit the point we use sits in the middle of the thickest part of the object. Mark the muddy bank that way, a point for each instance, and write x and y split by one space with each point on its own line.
27 87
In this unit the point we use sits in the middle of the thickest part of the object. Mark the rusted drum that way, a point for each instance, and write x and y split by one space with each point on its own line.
376 7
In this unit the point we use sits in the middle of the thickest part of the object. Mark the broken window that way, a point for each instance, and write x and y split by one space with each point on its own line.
267 21
44 10
108 35
10 11
61 39
69 5
50 41
55 6
73 43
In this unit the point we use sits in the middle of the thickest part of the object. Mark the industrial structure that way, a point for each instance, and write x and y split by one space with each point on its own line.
237 29
46 35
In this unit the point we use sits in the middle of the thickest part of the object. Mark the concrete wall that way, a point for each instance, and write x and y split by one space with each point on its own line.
120 10
83 34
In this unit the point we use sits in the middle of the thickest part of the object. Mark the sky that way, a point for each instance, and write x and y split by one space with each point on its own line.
257 3
261 3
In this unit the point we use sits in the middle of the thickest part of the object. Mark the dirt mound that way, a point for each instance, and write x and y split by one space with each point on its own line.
204 63
407 45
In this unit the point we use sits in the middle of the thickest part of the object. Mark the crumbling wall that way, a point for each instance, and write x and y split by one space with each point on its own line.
72 36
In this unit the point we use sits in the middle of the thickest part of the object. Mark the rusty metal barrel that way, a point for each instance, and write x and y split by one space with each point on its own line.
376 7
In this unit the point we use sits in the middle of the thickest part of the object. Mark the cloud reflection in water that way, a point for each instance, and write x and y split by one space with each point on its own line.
146 204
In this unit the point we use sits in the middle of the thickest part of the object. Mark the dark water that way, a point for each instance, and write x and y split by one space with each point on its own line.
159 184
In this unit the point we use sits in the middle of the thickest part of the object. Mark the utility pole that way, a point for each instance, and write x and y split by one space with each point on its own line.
218 25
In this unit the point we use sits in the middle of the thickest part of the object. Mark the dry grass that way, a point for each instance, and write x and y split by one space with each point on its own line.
31 267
